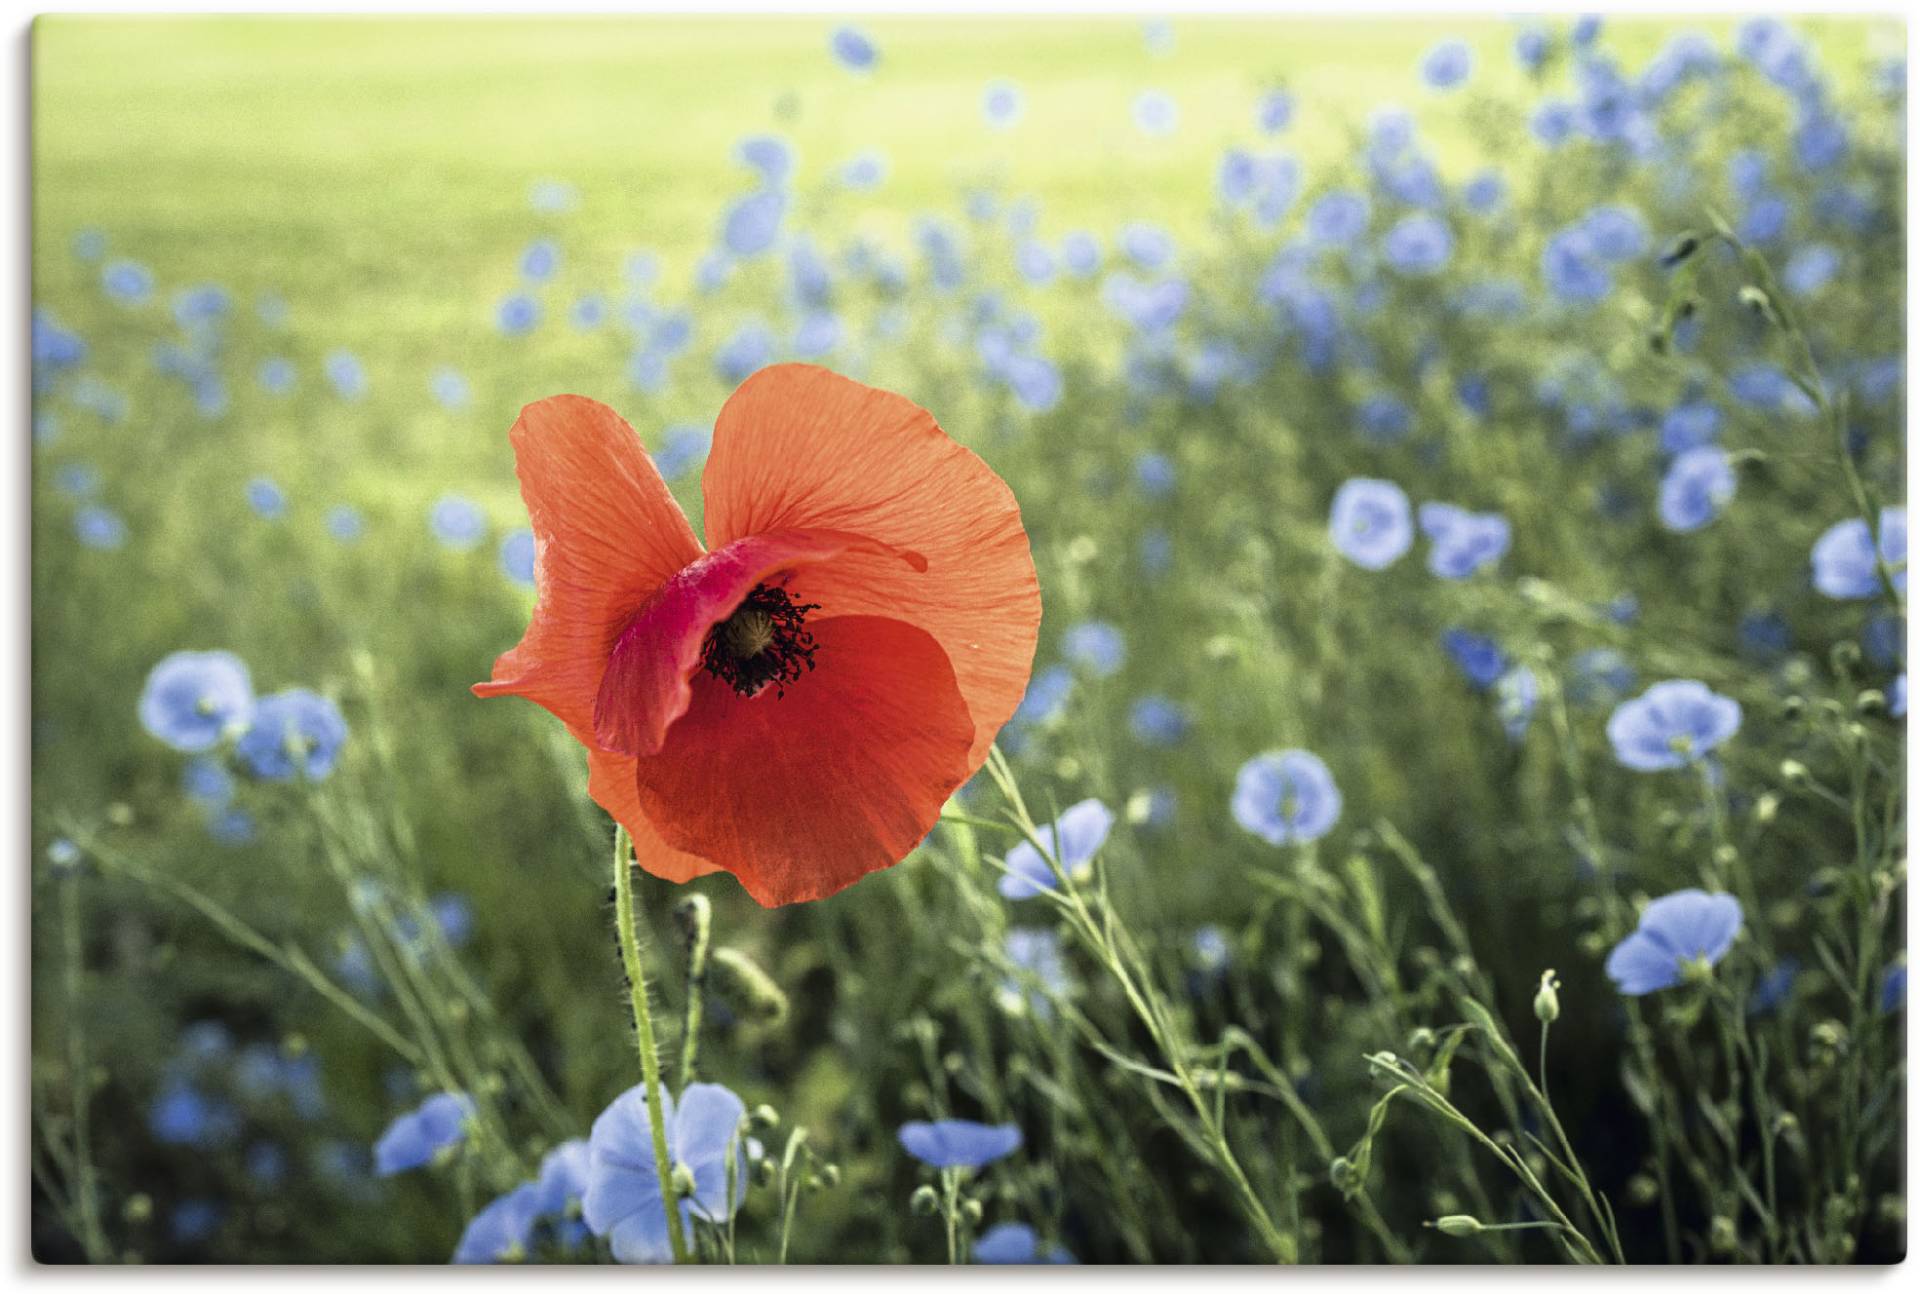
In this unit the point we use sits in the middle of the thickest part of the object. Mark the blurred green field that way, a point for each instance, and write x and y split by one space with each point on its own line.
374 176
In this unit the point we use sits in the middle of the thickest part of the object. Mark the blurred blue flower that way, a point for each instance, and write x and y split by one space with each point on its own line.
623 1197
518 315
1080 254
1689 426
752 224
749 349
1843 556
852 49
1157 721
1148 246
1041 971
204 304
1098 646
1155 112
1073 840
195 1220
207 783
682 447
183 1115
1286 797
99 527
193 699
817 333
266 498
1599 675
344 523
1035 382
1480 659
127 282
1016 1243
1893 988
1766 388
295 733
1462 542
1810 269
1773 988
1046 695
349 379
457 522
864 171
276 376
1274 112
53 348
1671 725
1573 269
540 260
1338 218
1485 192
232 826
423 1134
89 245
1419 244
1531 45
517 553
1552 122
1615 232
1677 933
1515 694
769 156
1697 487
1002 104
267 1165
450 389
958 1144
78 479
1371 523
1447 65
502 1232
1897 696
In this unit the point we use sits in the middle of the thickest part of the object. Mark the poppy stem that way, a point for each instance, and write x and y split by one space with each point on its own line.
643 1026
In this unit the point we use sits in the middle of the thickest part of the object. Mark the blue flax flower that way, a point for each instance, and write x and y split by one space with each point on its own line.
958 1144
193 699
1462 542
295 733
1843 556
1016 1243
1371 523
1678 933
1073 840
1098 646
1286 797
1697 486
416 1138
623 1197
1671 725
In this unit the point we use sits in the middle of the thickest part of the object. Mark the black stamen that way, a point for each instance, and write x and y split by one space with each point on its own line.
764 642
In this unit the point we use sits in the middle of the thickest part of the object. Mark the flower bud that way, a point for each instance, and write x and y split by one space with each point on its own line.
973 1210
1870 702
925 1201
1721 1236
747 988
830 1174
683 1181
1756 300
1793 773
1643 1190
1683 246
1546 1002
763 1116
1458 1225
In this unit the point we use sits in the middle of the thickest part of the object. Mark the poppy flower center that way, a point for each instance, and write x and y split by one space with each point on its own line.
764 642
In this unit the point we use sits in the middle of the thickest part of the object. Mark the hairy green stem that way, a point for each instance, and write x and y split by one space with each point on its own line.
643 1027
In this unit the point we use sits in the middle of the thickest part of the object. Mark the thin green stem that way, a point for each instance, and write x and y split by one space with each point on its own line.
643 1027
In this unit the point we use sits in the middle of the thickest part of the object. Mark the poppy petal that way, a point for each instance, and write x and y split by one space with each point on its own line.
610 783
802 795
798 446
645 685
607 534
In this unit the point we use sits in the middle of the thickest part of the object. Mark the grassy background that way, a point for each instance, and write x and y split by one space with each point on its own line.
375 175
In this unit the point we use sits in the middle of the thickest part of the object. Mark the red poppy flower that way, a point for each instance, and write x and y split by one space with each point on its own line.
796 703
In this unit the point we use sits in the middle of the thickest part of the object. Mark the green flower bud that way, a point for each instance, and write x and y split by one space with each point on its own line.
1793 773
683 1182
1721 1236
973 1210
1643 1190
1755 299
763 1117
1458 1225
1546 1002
138 1209
830 1174
925 1201
747 988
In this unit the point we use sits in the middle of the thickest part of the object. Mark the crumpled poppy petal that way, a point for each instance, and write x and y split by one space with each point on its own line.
644 688
610 781
607 534
798 446
802 795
